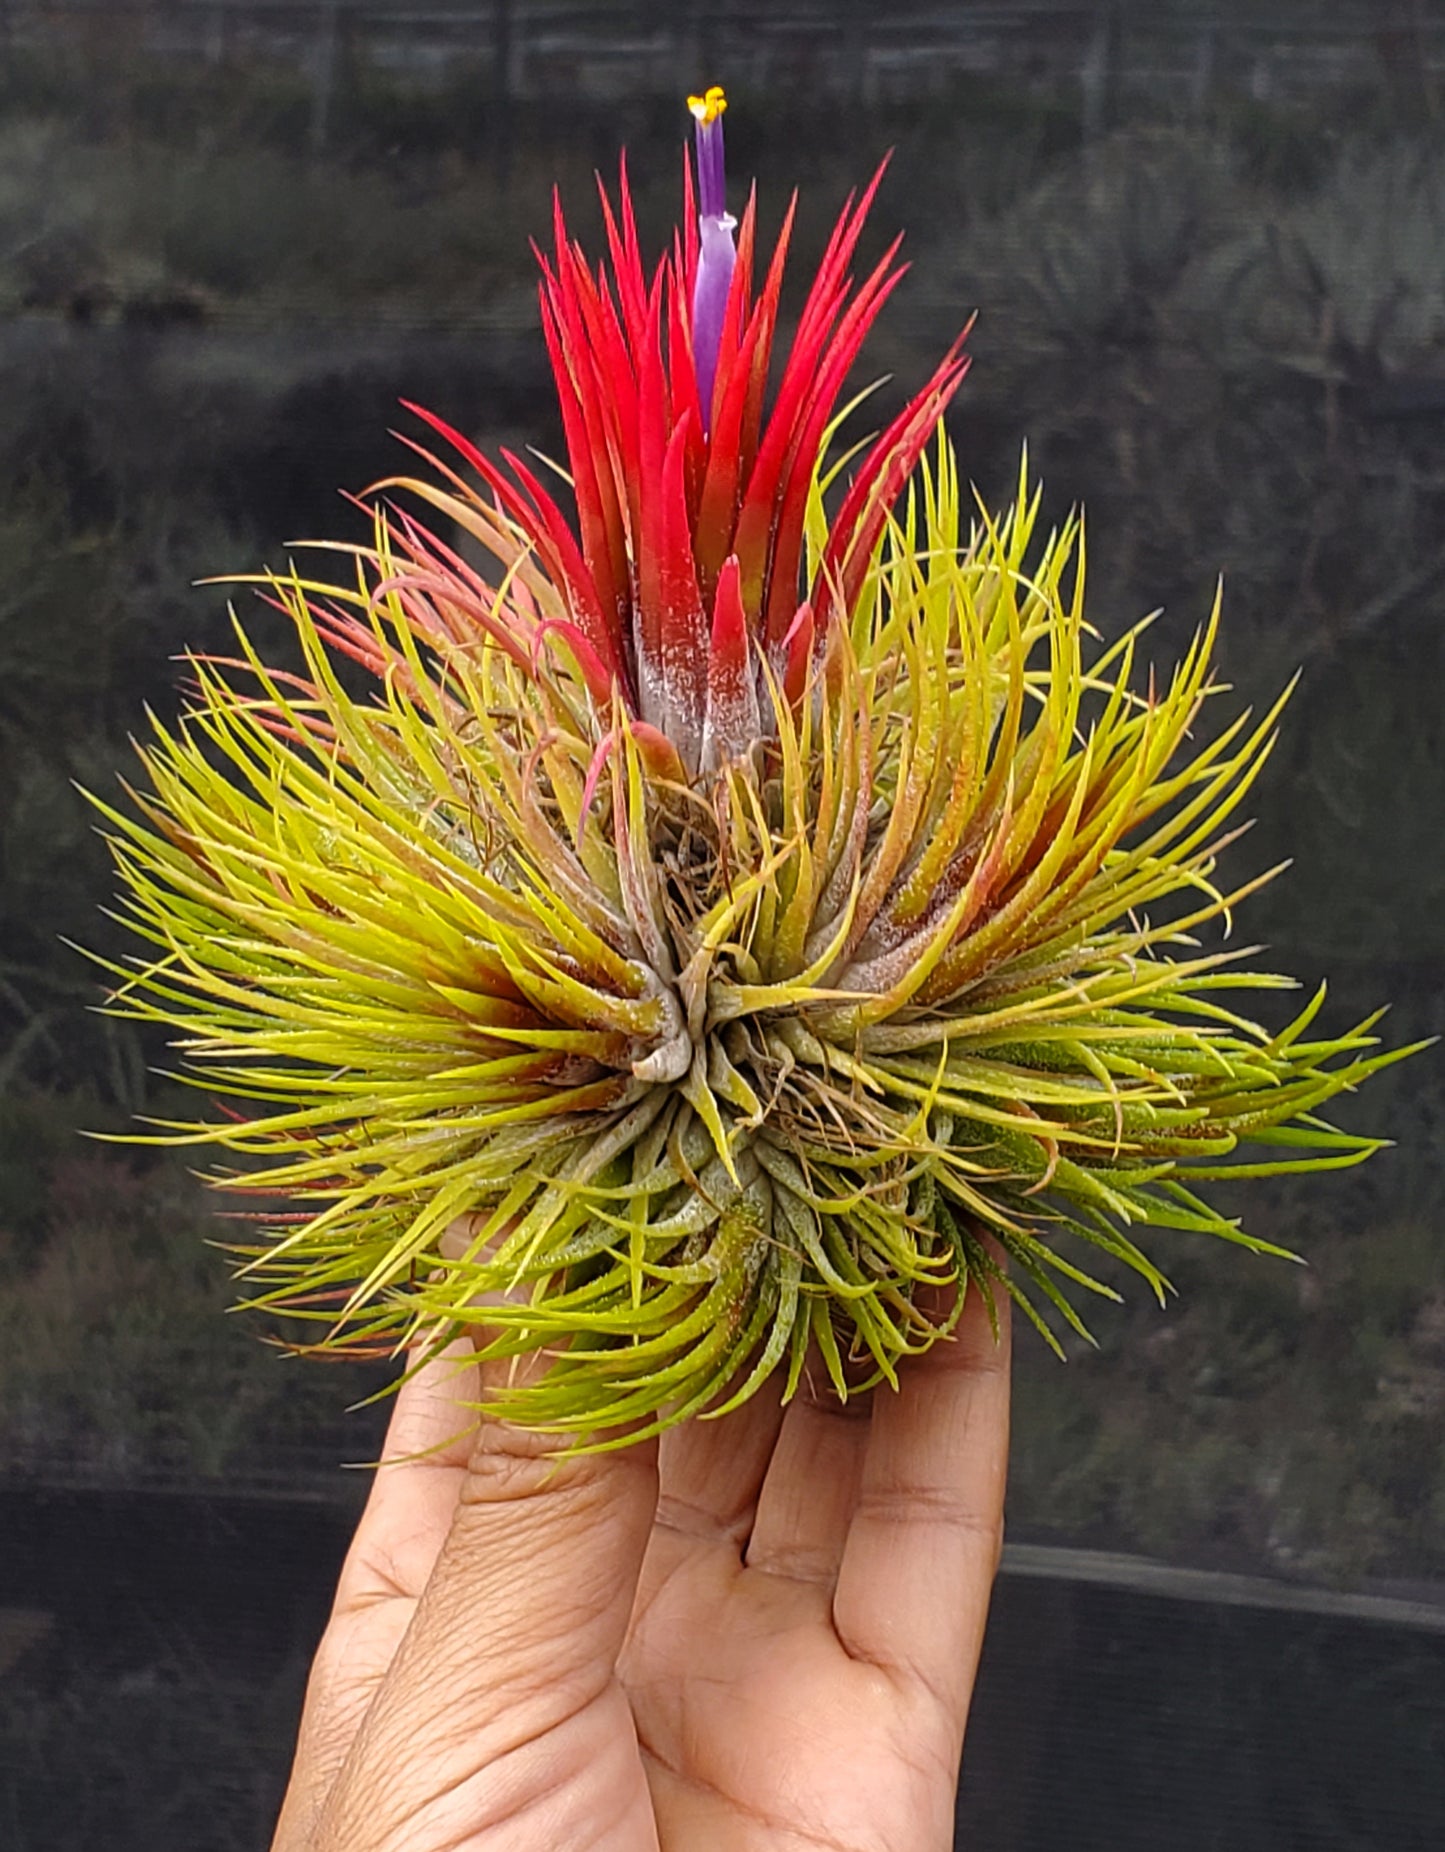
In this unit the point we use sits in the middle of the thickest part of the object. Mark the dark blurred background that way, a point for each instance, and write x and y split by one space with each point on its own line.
1207 247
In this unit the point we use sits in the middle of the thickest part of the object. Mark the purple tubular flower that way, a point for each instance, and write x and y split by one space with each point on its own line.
716 250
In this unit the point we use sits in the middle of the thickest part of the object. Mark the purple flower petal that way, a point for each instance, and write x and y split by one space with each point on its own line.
716 250
715 258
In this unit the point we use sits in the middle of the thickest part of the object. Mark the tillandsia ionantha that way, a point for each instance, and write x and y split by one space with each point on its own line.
750 915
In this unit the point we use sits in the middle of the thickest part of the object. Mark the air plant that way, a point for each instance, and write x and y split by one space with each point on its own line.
754 914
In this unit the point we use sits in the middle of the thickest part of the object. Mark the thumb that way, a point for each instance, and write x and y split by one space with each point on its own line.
502 1699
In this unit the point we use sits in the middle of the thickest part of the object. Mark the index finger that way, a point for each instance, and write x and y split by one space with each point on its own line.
923 1547
408 1514
414 1491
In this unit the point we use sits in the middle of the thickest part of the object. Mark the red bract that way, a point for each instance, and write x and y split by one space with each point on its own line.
685 564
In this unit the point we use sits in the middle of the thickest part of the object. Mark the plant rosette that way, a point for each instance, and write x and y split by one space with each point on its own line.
753 914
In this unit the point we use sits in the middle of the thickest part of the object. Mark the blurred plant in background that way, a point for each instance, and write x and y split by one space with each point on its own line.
107 1302
1347 283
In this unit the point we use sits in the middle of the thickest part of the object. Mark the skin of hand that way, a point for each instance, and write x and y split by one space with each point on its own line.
759 1634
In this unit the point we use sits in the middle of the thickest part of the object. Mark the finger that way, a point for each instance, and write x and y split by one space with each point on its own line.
415 1489
410 1508
811 1488
916 1574
414 1494
504 1684
711 1472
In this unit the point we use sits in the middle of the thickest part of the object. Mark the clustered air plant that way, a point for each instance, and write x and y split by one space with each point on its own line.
755 915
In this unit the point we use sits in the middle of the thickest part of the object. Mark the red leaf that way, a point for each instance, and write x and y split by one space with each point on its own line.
885 470
731 722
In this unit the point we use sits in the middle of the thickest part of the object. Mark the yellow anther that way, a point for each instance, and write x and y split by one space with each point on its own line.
708 107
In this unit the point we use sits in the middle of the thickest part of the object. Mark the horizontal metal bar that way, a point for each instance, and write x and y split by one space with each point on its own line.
1142 1575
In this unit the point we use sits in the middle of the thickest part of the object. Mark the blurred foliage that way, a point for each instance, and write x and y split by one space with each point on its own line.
116 1363
1288 1417
1226 337
1248 379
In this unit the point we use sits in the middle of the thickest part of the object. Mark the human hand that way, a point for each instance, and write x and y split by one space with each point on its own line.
758 1635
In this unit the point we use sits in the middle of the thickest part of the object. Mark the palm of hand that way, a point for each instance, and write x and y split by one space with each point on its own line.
763 1722
759 1733
764 1642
